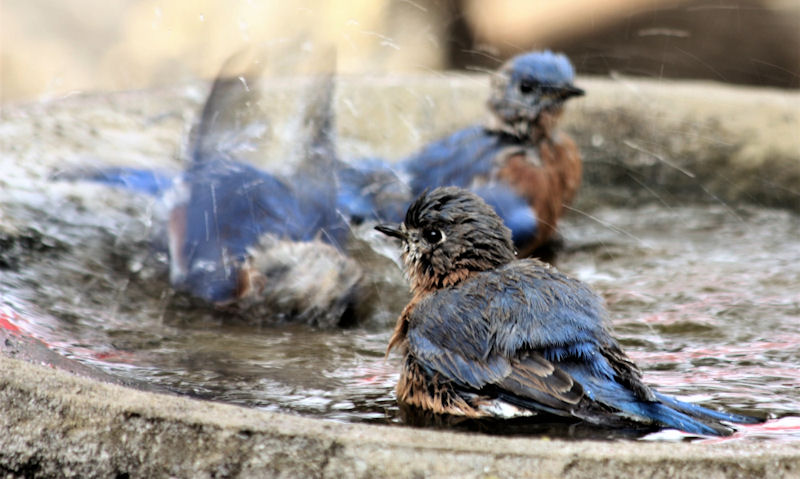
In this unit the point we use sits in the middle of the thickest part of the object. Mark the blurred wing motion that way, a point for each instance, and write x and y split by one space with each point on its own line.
371 190
233 121
238 234
224 209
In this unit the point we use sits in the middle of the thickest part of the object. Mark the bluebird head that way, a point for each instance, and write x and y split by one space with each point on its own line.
529 84
448 234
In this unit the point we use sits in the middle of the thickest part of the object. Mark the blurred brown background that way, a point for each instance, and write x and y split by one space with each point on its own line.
50 48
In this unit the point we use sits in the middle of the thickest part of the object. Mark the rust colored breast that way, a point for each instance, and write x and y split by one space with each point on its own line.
434 394
569 166
547 187
398 338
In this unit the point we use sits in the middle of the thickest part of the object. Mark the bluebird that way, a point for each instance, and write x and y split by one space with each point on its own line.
519 150
240 237
487 335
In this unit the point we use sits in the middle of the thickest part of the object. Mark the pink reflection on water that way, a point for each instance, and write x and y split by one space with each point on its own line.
746 364
8 320
783 429
378 373
705 308
750 350
20 320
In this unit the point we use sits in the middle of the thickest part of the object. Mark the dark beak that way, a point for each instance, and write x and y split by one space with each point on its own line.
569 91
391 230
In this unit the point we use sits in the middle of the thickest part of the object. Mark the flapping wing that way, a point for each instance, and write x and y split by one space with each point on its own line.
233 121
291 80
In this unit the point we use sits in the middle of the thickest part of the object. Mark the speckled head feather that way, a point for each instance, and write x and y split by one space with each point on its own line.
449 234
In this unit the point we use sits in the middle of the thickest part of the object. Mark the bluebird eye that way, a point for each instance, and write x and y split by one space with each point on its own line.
527 86
432 236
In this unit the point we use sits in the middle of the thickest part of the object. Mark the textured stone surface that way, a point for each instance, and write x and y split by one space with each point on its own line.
59 425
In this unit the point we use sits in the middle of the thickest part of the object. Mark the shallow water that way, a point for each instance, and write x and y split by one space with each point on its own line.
706 299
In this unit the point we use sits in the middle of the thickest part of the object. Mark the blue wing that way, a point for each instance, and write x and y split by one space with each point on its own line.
537 339
456 160
663 409
522 306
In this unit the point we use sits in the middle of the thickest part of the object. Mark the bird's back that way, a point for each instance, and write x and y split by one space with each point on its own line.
524 338
523 304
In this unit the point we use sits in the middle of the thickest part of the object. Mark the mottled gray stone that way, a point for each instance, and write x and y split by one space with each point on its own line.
60 425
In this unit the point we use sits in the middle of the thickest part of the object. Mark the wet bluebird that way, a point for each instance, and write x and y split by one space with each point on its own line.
489 336
519 158
238 236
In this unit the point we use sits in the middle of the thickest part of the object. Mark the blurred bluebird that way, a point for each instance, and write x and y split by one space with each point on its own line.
241 237
489 336
519 151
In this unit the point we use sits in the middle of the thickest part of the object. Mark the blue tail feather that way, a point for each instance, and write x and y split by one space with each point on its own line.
666 410
700 411
674 418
